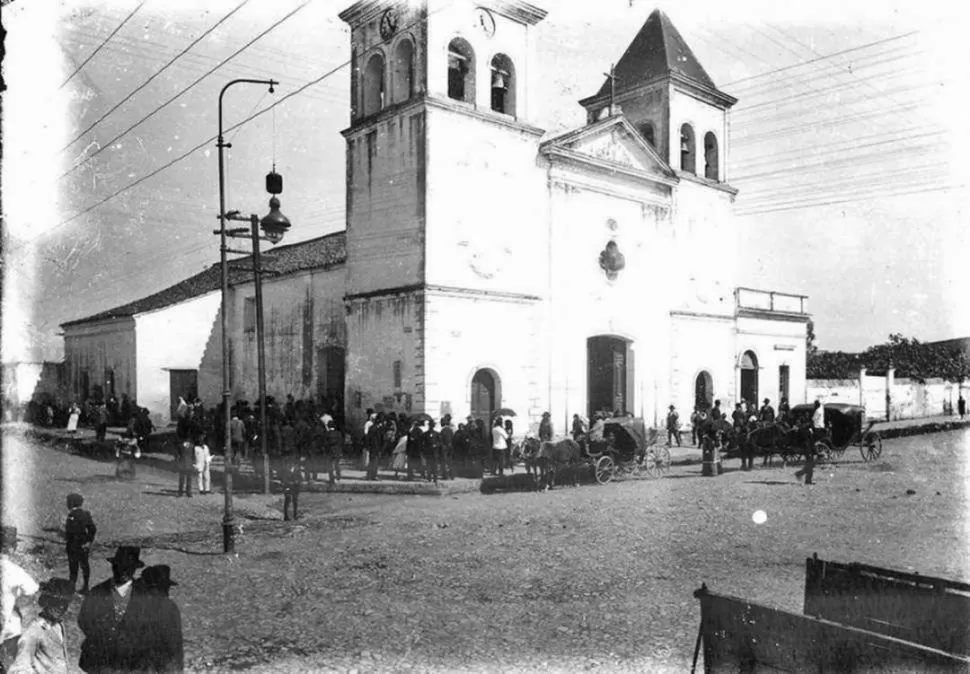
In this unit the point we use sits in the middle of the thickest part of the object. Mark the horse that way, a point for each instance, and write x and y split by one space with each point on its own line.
774 438
554 456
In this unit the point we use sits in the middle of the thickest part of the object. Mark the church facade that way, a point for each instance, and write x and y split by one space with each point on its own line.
490 266
486 264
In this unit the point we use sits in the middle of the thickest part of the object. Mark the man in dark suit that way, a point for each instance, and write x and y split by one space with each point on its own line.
185 458
79 531
159 645
107 618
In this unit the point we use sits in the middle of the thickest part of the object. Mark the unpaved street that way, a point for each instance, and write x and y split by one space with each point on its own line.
595 577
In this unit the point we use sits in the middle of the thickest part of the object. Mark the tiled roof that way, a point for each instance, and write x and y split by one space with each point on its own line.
325 251
658 49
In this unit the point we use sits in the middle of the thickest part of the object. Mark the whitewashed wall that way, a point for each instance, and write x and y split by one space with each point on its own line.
174 338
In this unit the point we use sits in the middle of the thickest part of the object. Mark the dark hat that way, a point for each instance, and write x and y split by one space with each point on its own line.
75 500
545 414
158 576
766 401
127 556
446 419
56 590
671 407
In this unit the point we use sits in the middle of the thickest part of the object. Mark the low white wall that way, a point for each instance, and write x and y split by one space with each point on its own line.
909 399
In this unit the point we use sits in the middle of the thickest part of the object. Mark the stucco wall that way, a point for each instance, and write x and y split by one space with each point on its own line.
303 314
702 343
98 346
386 203
175 338
909 399
466 332
486 207
774 343
381 331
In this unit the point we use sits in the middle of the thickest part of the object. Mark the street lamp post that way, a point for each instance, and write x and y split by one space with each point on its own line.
228 522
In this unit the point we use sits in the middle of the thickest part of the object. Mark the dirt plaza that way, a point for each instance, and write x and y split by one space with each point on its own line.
594 577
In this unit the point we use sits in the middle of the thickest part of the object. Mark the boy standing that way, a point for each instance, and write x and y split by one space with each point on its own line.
79 531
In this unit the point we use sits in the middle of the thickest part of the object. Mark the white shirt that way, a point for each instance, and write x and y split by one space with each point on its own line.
15 583
499 438
818 417
123 589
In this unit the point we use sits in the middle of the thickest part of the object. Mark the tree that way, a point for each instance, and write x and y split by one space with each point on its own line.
810 347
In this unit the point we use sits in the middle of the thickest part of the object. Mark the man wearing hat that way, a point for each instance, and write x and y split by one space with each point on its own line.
108 625
673 426
447 438
158 645
545 428
767 414
79 531
42 647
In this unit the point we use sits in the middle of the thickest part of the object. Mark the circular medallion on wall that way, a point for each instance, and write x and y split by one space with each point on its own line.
389 21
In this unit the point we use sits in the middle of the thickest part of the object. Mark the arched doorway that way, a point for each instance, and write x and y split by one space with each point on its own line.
486 395
704 391
749 377
609 380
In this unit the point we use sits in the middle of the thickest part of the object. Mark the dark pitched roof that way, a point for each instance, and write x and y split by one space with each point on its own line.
657 50
325 251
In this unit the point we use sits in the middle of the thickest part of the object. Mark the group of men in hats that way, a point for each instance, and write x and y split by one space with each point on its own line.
129 624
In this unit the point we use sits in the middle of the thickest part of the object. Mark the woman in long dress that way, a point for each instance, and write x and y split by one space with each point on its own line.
75 415
400 455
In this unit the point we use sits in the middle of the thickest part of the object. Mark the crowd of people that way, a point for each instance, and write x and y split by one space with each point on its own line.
129 624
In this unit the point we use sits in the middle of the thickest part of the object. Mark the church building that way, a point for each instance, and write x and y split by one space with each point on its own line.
487 264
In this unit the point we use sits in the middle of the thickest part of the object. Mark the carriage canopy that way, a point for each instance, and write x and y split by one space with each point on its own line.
844 419
629 434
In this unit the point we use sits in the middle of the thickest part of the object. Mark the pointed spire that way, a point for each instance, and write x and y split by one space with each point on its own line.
658 50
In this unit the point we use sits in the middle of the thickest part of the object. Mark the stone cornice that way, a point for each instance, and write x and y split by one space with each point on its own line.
577 158
694 178
523 12
768 315
684 313
486 116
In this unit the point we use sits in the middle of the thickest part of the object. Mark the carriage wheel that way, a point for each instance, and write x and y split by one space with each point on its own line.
871 446
661 461
605 468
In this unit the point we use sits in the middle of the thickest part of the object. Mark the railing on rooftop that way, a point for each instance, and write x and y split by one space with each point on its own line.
769 300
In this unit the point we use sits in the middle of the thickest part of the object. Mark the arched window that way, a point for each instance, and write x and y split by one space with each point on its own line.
461 71
710 156
503 84
374 85
403 86
687 158
647 131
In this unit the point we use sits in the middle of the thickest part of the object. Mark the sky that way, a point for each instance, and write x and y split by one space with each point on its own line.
848 145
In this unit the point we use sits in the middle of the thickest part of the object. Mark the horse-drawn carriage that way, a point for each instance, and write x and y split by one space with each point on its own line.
627 448
845 425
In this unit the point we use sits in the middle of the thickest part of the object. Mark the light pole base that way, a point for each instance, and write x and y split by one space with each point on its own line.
228 536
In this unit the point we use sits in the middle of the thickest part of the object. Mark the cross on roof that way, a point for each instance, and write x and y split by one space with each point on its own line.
612 77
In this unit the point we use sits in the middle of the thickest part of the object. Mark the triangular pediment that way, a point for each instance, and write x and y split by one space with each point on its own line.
612 142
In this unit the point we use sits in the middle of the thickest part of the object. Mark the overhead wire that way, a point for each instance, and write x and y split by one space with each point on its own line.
886 194
184 90
156 74
103 43
201 145
894 38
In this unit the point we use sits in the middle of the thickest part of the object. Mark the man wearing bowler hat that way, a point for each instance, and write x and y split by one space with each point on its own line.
108 625
158 646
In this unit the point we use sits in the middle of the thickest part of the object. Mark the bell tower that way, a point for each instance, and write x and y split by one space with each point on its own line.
440 98
662 88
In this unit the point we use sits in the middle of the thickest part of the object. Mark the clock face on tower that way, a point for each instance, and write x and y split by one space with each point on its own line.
485 21
388 24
